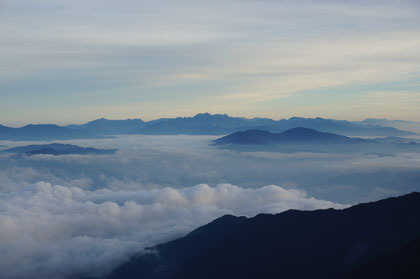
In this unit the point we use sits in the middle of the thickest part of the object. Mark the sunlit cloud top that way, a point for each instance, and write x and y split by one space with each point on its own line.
73 61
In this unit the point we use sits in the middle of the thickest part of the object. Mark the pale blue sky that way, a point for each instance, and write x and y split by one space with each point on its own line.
74 61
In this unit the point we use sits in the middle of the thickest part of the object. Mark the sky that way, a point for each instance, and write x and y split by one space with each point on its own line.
73 61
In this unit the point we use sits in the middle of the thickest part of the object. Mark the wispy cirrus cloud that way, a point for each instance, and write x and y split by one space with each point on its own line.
233 55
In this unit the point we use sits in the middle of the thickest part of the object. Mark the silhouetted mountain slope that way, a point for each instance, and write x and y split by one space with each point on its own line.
57 149
43 132
111 127
402 262
292 136
293 244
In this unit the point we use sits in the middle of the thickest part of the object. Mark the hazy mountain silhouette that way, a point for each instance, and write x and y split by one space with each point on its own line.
203 124
110 127
43 132
381 121
373 240
341 127
298 135
308 140
57 149
200 124
219 124
399 124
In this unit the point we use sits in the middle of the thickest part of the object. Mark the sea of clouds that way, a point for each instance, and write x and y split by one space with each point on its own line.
51 231
153 162
75 215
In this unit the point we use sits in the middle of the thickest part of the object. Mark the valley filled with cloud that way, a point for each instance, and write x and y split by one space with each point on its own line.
107 208
45 226
149 162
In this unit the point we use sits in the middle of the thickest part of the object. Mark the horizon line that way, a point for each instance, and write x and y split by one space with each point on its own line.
192 116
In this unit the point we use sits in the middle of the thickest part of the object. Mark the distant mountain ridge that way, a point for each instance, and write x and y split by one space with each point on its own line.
363 241
219 124
309 140
57 149
43 132
399 124
104 126
342 127
200 124
297 135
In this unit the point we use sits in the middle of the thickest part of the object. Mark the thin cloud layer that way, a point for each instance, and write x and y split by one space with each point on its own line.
51 231
150 162
169 58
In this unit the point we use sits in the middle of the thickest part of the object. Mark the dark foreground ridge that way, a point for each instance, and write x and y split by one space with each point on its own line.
57 149
373 240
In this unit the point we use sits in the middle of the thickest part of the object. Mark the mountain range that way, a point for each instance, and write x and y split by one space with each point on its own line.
399 124
42 132
297 135
200 124
110 127
220 124
372 240
57 149
309 140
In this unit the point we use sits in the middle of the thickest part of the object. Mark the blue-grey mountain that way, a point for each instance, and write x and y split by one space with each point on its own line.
200 124
340 126
218 124
44 132
309 140
298 135
399 124
57 149
111 127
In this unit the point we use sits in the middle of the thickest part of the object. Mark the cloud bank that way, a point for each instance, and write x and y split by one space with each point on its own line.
51 231
150 162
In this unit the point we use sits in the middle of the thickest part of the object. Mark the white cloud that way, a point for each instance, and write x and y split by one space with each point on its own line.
54 231
110 207
150 162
